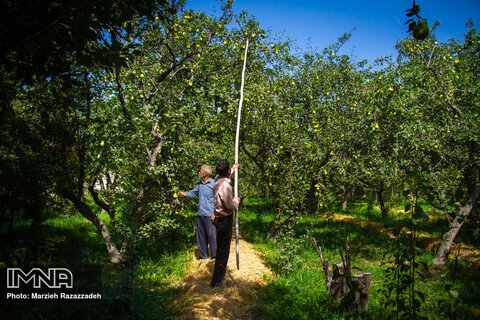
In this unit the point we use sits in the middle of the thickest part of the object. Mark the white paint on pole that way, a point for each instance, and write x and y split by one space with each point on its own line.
237 137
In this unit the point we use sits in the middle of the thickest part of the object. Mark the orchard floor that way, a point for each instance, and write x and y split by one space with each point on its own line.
467 253
235 299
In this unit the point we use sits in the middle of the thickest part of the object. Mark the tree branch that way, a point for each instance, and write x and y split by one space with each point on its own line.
101 203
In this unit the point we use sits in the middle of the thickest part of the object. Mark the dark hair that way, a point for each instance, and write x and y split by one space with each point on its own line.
223 167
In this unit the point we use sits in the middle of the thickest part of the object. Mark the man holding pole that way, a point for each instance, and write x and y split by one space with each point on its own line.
225 205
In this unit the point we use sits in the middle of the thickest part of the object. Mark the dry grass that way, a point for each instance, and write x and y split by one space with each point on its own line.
235 300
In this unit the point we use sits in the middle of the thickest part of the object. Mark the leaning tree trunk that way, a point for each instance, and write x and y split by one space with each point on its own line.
115 255
472 174
455 226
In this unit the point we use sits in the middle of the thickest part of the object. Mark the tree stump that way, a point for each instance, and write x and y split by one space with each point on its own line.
360 290
345 289
338 284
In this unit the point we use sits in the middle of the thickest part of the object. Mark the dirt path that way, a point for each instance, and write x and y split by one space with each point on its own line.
235 300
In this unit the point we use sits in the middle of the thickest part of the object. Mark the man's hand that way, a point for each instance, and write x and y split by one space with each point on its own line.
238 199
232 170
182 193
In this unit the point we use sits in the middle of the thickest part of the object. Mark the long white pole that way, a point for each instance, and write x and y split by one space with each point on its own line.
237 136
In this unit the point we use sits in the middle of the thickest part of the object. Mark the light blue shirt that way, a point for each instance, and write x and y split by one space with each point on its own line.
204 192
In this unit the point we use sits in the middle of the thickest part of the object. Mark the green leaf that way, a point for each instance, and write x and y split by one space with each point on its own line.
389 302
389 223
418 209
396 231
454 293
421 275
421 295
413 221
419 213
419 250
408 205
416 303
425 265
430 197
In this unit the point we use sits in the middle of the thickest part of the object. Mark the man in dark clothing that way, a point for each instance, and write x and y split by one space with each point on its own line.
206 233
225 205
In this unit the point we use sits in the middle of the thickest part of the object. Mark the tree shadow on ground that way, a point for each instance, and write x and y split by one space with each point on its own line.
74 245
47 245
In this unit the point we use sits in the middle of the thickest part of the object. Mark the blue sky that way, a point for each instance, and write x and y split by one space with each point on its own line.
379 24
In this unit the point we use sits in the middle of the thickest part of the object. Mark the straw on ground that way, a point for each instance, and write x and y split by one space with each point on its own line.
235 299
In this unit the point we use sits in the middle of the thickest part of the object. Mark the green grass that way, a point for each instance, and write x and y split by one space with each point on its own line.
295 290
300 293
168 269
72 241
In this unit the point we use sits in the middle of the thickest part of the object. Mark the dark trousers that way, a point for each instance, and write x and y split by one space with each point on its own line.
224 237
206 235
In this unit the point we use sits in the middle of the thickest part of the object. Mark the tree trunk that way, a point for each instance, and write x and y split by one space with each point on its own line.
285 224
470 172
312 200
344 197
272 229
381 202
115 256
455 226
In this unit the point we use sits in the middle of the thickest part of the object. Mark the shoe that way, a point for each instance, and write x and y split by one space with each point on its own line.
217 285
